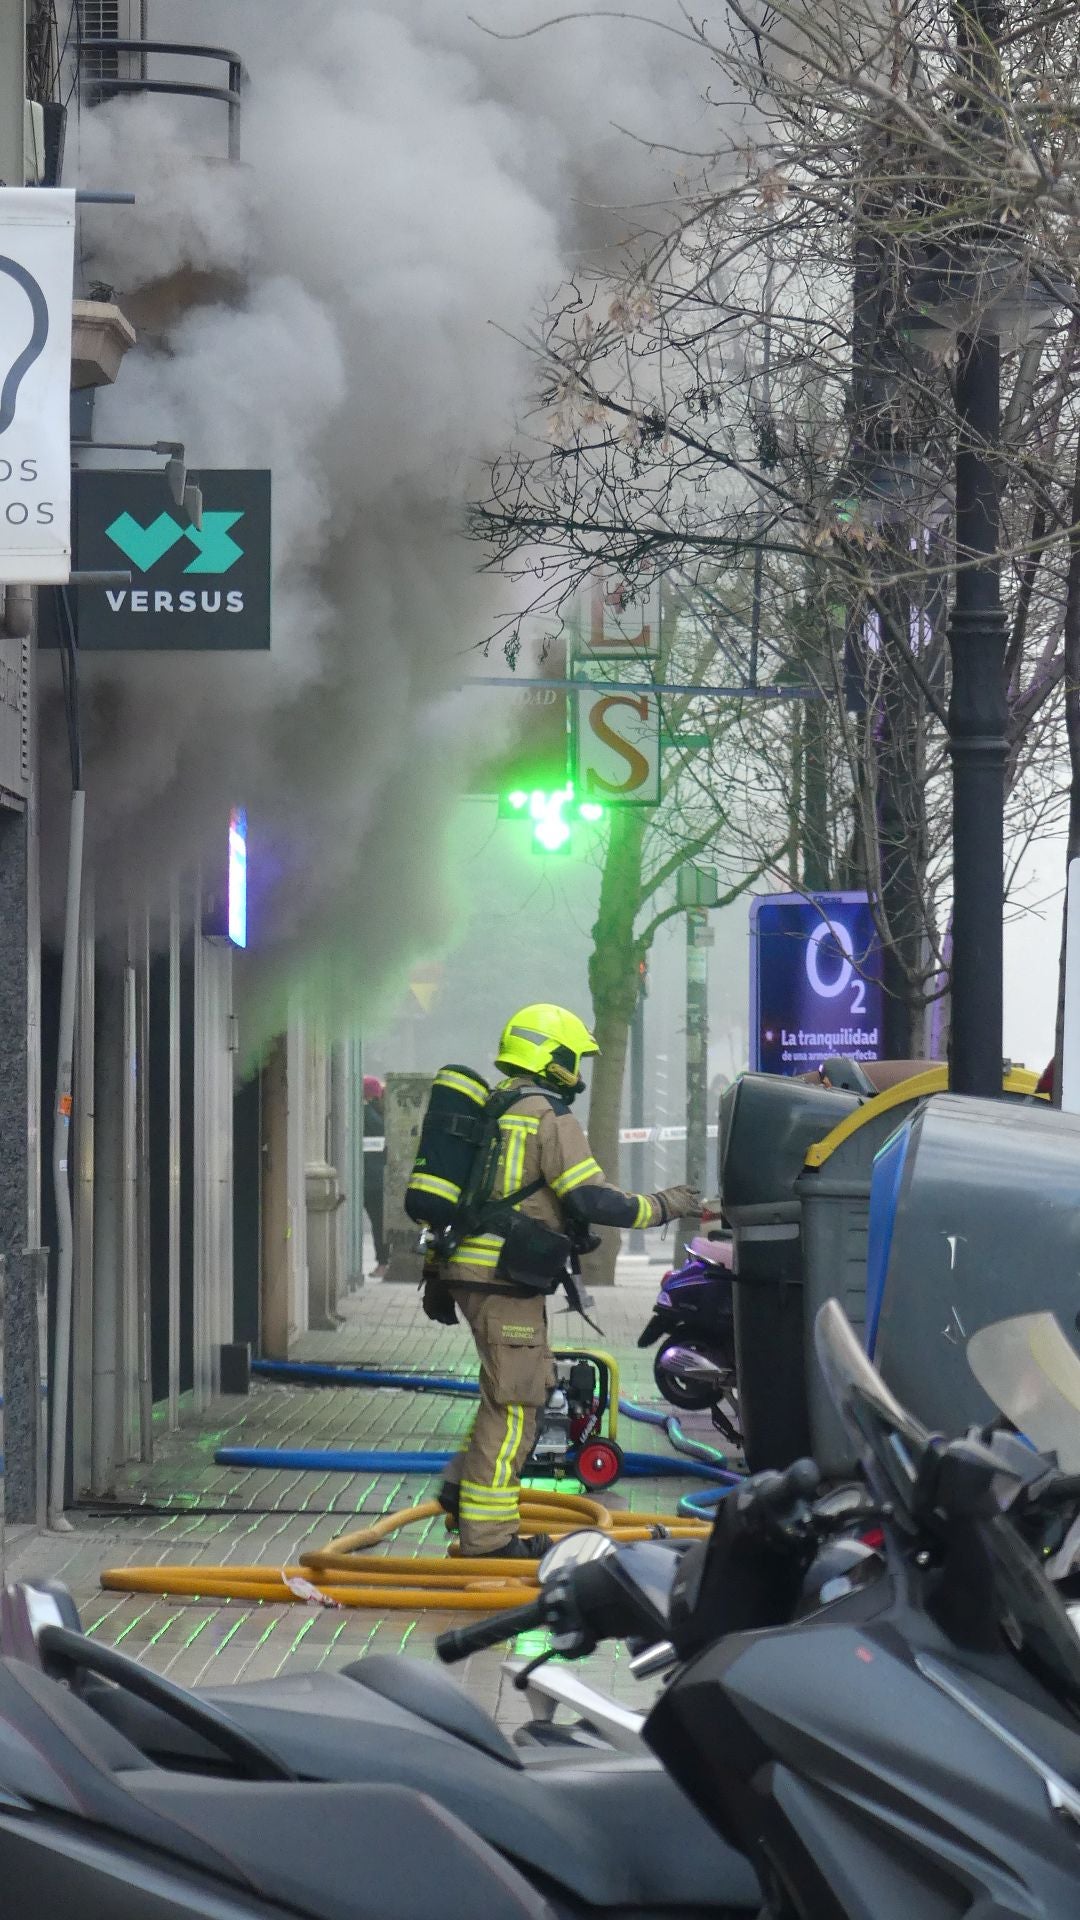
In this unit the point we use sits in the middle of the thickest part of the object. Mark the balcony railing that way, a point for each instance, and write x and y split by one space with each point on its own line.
95 87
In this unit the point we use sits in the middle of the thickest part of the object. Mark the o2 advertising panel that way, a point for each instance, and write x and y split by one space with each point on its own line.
815 981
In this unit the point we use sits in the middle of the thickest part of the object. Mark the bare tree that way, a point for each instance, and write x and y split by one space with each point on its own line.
762 404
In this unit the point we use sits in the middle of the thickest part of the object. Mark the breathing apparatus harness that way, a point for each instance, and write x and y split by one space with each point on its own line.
534 1258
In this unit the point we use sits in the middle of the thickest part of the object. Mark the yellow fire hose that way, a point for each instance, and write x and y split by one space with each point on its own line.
333 1576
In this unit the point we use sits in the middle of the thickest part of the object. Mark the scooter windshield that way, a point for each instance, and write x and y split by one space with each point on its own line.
1031 1372
895 1443
873 1415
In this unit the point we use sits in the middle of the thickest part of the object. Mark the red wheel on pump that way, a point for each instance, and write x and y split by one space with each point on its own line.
599 1464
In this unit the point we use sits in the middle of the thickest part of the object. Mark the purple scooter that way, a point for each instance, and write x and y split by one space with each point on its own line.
695 1365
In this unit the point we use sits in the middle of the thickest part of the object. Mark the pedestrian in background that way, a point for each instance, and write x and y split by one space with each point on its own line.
375 1168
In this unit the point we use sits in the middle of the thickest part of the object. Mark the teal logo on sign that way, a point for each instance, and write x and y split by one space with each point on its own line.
145 546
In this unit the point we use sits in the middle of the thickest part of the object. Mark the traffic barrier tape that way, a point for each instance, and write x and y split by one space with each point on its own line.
628 1136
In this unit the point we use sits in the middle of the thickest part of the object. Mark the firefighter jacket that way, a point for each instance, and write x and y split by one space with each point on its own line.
540 1139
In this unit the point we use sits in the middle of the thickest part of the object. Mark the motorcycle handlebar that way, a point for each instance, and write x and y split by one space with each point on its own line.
459 1642
774 1492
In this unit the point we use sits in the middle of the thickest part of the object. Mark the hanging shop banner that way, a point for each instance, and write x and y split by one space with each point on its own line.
193 589
616 621
815 981
617 747
37 255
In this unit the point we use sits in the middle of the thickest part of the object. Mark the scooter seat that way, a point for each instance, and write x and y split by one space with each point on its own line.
610 1831
425 1690
85 1816
613 1831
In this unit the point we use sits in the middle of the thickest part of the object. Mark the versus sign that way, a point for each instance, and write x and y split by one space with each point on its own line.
192 588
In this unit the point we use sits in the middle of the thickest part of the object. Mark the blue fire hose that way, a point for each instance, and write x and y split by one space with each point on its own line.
703 1505
698 1460
324 1373
315 1373
635 1466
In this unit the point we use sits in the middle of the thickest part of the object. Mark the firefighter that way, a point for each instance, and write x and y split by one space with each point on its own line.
556 1189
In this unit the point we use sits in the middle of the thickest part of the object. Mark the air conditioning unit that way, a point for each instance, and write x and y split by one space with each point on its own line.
109 20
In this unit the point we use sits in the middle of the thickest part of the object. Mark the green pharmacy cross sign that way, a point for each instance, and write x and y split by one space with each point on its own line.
552 812
192 588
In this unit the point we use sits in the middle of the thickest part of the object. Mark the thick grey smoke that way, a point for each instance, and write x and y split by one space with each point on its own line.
412 188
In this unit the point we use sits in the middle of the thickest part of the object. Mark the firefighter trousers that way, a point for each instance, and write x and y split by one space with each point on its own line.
516 1370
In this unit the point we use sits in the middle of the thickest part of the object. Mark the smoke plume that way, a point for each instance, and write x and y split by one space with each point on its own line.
340 308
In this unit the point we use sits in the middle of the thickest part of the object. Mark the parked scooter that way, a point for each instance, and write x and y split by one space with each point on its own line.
693 1319
593 1832
912 1748
918 1755
585 1814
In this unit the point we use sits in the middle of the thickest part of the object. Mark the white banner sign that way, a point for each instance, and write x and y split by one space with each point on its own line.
617 747
37 258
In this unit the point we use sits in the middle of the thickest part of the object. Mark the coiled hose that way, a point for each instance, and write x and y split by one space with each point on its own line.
334 1576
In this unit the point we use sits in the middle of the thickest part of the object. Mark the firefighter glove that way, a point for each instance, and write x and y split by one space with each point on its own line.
678 1203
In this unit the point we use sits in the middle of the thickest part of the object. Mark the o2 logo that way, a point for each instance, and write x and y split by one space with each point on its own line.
831 943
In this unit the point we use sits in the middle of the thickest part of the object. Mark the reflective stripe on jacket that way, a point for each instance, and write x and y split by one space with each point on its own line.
542 1141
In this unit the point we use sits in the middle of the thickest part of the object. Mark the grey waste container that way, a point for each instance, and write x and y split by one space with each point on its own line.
981 1222
834 1193
766 1124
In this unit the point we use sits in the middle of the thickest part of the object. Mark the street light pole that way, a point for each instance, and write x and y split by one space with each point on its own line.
637 1105
978 722
697 1054
978 709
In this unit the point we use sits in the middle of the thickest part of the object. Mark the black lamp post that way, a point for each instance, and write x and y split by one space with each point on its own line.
978 723
978 306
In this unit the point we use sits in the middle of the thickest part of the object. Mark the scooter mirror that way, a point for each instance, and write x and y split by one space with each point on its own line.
573 1550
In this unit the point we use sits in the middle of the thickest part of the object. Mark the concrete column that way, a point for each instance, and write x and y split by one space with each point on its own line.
347 1155
20 1109
129 1220
21 1358
175 1157
404 1106
141 961
220 1064
275 1205
82 1341
108 1237
202 1324
296 1108
354 1266
20 975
